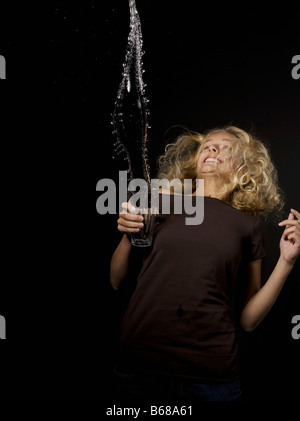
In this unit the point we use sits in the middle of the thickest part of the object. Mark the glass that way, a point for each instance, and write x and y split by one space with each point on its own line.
144 237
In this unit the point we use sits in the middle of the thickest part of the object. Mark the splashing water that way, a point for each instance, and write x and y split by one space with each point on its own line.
131 113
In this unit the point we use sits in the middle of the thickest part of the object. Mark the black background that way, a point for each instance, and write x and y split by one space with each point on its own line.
205 65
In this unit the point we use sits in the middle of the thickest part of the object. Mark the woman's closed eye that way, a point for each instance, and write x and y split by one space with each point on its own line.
227 148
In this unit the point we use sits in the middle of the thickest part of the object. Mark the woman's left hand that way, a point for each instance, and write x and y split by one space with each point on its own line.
290 240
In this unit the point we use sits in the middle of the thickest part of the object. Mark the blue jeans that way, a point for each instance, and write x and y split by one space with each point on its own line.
148 388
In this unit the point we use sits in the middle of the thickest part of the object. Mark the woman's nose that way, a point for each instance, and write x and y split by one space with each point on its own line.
213 149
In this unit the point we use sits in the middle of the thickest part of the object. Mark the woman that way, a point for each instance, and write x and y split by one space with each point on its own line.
178 335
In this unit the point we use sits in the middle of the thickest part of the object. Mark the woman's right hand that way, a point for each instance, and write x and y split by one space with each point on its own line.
129 222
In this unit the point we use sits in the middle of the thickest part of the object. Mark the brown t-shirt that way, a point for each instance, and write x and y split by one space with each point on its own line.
179 319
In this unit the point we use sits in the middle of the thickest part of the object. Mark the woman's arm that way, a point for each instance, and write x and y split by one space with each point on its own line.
119 265
260 300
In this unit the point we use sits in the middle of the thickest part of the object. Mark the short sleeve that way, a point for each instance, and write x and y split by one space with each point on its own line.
256 245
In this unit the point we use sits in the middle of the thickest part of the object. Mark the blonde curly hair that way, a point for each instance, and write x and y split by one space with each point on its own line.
253 183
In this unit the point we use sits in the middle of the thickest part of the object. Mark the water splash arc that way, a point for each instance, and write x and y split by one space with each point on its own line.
131 94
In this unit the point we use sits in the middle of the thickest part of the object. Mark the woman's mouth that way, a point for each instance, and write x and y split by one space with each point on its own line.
211 159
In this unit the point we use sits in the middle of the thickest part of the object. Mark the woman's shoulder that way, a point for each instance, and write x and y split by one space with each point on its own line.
230 212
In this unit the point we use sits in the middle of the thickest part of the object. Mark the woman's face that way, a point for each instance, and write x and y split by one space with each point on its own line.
216 155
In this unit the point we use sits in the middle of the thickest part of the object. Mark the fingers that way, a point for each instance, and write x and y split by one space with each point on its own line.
129 222
292 227
293 216
295 213
293 238
293 219
128 207
129 225
290 233
289 222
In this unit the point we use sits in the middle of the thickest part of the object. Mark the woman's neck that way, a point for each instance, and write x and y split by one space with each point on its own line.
214 187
